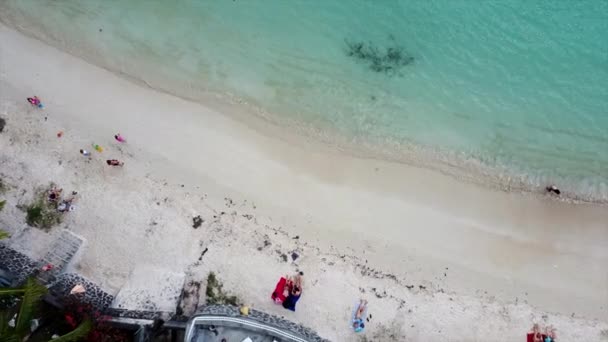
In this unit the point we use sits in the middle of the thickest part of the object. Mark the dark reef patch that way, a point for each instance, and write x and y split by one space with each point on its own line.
388 59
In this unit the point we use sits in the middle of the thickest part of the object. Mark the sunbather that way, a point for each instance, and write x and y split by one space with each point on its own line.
553 190
66 205
114 162
35 101
292 299
550 334
359 316
120 138
535 335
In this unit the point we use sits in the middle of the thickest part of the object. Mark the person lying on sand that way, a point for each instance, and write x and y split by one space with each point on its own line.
553 189
114 162
358 320
35 101
85 153
66 205
119 138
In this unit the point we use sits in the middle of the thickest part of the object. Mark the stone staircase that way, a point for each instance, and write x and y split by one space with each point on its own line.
61 252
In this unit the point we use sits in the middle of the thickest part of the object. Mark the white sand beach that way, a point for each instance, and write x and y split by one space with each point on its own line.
438 260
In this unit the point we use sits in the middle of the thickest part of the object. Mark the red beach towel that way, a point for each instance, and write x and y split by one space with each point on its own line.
530 337
277 296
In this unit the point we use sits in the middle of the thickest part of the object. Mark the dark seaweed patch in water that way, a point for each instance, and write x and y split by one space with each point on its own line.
388 60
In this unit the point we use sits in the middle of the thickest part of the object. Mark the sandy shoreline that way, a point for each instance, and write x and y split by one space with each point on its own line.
361 224
462 166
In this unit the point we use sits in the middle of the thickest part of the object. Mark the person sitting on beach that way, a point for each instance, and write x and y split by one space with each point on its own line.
66 205
553 189
85 153
550 335
119 138
292 299
298 280
292 282
54 194
114 162
358 320
535 335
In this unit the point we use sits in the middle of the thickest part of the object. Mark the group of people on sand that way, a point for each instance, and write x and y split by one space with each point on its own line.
35 101
536 334
110 162
289 290
62 205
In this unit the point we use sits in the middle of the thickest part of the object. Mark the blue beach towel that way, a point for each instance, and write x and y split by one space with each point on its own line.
290 302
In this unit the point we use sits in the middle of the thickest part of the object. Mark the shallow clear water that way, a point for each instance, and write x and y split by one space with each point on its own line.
519 87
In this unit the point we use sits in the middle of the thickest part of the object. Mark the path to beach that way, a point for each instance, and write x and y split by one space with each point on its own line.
438 259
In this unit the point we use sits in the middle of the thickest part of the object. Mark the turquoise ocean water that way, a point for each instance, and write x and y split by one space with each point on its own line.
513 91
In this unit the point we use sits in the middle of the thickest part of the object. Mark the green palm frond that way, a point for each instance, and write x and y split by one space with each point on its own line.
77 334
12 291
29 303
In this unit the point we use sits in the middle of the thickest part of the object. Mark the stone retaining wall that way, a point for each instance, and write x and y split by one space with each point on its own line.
262 317
94 295
17 264
20 267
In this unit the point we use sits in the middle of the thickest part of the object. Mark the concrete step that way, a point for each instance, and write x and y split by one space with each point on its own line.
150 289
60 253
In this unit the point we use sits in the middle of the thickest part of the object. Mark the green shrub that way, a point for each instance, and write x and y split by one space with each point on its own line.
34 214
2 203
42 213
215 293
